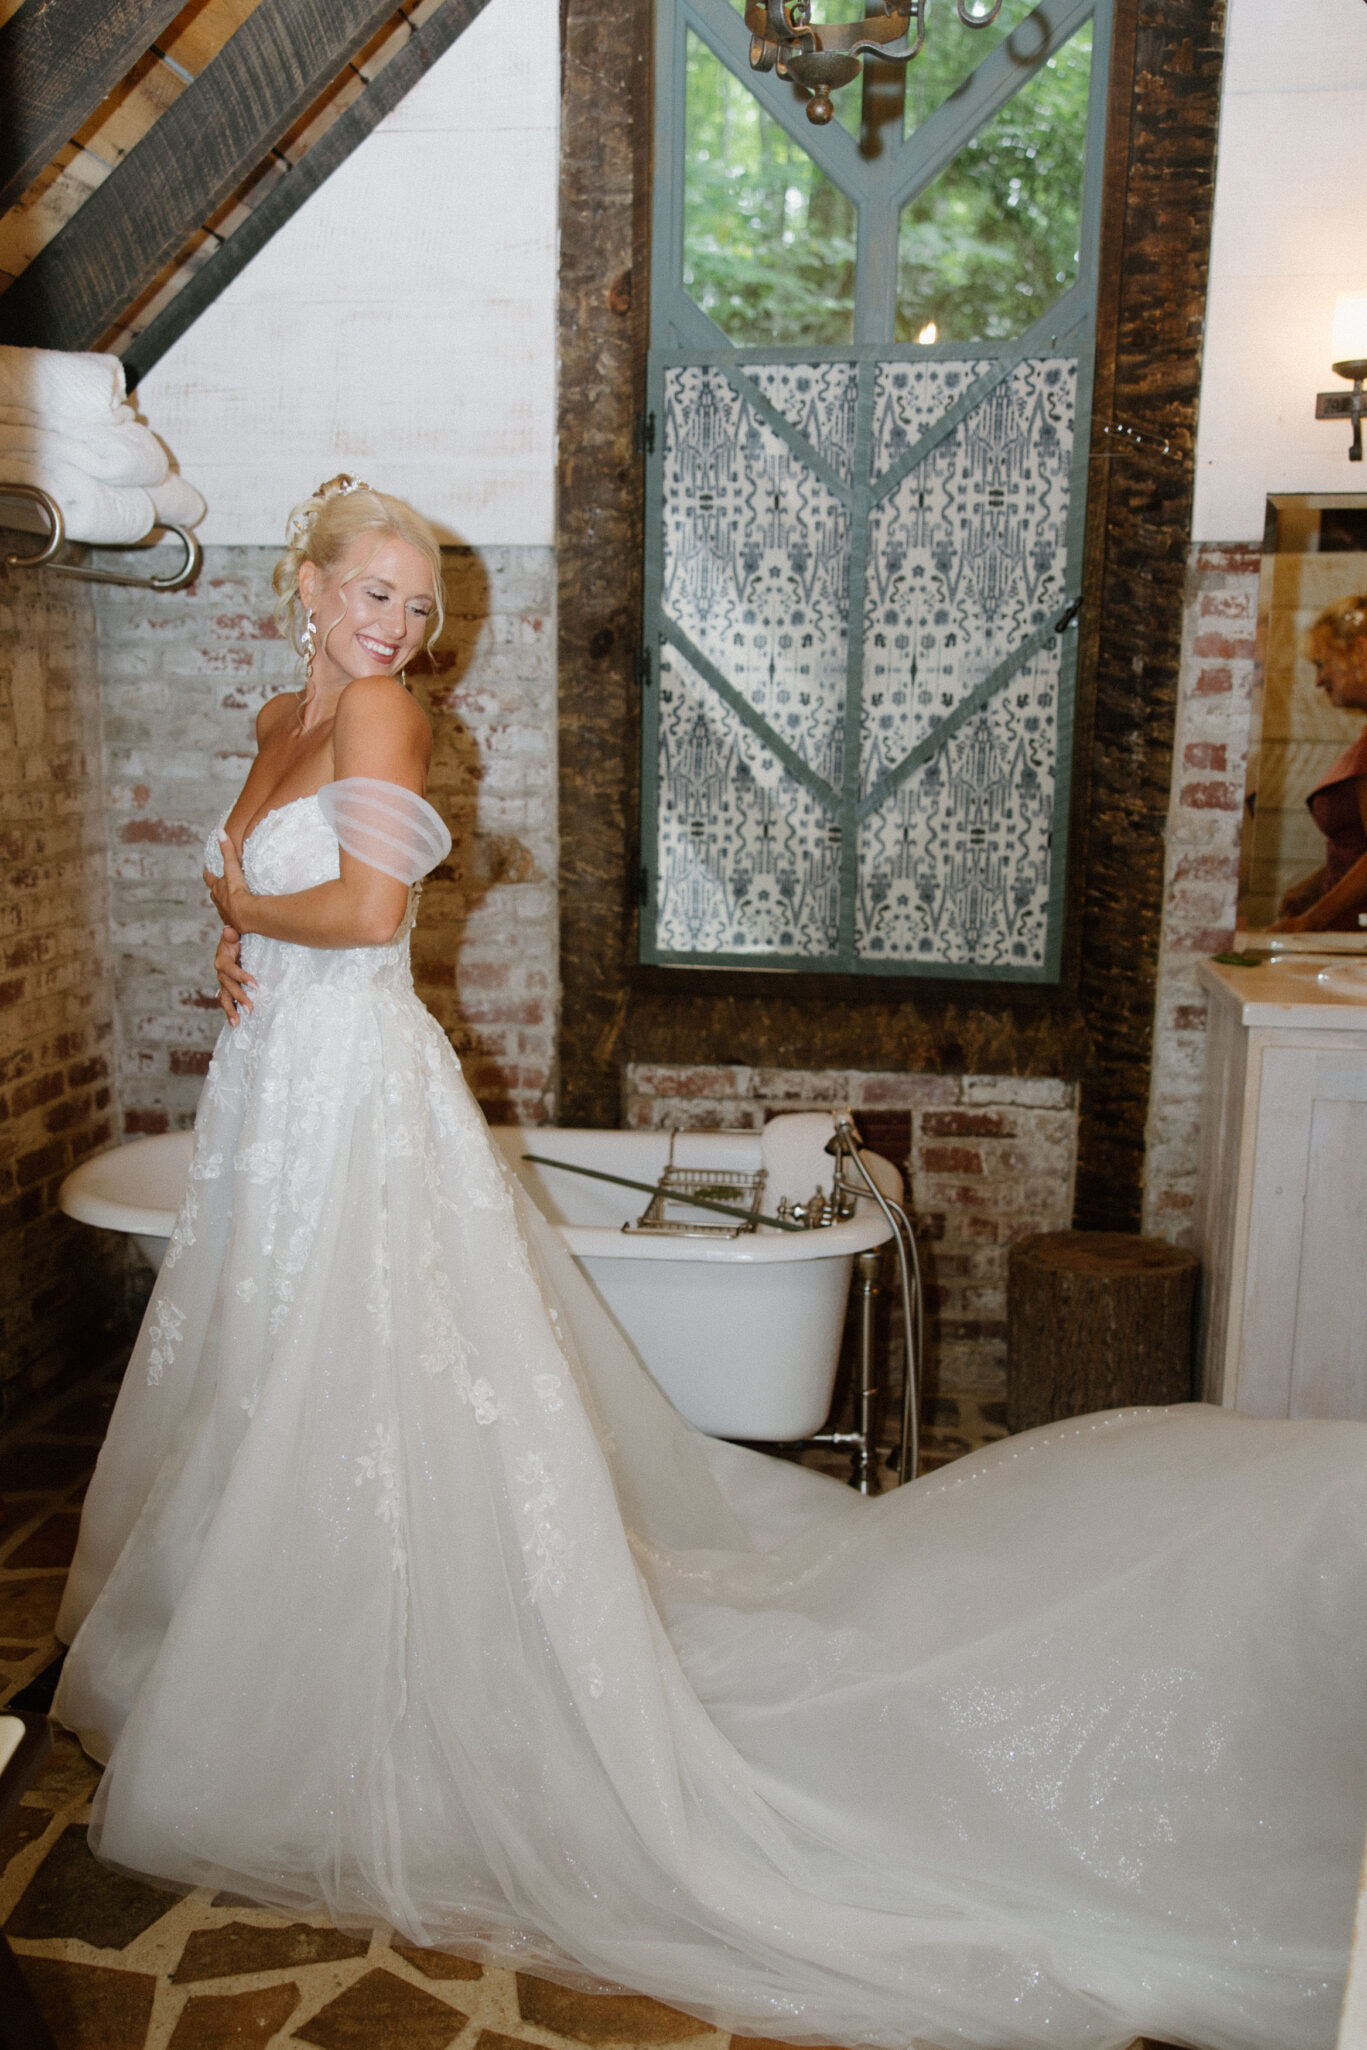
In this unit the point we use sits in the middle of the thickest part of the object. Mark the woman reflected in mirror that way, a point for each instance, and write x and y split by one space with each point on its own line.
1334 897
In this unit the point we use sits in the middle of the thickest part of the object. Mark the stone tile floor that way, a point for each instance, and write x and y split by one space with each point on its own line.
117 1964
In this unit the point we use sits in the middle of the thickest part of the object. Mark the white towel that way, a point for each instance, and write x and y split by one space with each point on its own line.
66 427
28 416
107 513
176 501
128 453
66 389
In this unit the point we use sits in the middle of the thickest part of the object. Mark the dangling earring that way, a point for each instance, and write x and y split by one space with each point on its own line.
309 638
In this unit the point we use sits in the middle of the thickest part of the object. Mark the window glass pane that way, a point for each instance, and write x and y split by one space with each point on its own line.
994 241
951 52
769 242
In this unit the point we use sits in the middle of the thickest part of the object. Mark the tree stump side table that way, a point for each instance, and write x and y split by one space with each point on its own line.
1096 1320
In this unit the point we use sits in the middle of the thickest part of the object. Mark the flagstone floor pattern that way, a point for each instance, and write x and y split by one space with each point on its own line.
118 1964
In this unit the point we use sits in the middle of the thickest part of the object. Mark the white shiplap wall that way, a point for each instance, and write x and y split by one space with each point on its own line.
402 325
1287 240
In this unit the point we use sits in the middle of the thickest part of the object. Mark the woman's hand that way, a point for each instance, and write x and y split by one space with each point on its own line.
233 980
232 898
1299 898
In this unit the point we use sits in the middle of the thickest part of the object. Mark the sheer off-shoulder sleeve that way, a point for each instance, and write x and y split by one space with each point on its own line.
385 826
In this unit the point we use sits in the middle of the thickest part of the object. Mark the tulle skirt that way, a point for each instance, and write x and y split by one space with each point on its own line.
403 1592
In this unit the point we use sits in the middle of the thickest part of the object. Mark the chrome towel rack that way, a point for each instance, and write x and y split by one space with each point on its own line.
45 558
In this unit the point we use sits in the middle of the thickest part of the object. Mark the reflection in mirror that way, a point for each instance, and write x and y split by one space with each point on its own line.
1303 866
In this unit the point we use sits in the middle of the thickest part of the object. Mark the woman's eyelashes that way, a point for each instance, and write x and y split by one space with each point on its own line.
417 609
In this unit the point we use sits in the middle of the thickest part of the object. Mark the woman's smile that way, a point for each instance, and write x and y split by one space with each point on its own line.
373 610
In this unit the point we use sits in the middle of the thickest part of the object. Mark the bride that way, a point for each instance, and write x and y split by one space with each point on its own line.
403 1593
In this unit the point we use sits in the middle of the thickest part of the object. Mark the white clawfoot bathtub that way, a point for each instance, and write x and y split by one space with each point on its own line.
743 1334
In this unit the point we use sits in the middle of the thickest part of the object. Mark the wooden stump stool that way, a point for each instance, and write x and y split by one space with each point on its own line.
1096 1320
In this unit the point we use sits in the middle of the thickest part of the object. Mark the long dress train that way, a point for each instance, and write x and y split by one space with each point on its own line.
401 1590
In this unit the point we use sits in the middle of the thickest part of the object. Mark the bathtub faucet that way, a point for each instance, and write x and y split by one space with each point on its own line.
821 1208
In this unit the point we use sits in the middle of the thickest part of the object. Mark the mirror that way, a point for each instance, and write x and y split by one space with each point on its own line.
1314 560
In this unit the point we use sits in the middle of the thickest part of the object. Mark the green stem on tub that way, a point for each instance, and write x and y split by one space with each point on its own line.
672 1195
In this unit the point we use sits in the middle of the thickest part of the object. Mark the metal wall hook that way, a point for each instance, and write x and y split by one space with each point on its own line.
45 558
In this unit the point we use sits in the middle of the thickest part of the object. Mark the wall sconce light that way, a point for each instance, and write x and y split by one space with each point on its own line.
1350 361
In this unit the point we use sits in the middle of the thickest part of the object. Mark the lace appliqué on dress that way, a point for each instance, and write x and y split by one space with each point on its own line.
165 1334
380 1463
547 1545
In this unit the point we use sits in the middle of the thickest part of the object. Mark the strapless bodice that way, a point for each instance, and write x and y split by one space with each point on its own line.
294 848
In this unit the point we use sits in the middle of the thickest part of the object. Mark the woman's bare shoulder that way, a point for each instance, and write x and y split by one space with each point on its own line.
377 717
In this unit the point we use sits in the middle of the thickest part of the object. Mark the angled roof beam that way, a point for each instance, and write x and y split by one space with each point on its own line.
265 76
399 76
58 59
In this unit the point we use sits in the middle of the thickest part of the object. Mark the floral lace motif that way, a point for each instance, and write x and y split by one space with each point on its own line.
165 1335
546 1545
380 1463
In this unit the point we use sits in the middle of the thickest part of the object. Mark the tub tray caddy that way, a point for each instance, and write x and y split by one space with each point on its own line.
669 1209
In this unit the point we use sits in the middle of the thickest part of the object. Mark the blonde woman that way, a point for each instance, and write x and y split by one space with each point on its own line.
404 1595
1334 897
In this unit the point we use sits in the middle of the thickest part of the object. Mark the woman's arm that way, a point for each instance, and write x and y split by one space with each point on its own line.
1349 893
381 733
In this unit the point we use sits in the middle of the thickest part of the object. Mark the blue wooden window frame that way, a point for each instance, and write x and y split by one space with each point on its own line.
682 335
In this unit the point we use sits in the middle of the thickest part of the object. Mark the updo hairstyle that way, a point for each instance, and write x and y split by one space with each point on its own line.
322 528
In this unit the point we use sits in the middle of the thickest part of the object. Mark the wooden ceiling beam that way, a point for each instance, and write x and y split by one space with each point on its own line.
399 76
204 145
58 59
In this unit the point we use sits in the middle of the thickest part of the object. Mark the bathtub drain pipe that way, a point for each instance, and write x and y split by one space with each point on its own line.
845 1146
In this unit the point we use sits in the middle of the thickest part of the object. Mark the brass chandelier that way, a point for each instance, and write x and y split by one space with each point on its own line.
822 56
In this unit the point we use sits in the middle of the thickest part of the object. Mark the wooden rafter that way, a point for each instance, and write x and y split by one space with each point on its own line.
267 74
58 59
398 77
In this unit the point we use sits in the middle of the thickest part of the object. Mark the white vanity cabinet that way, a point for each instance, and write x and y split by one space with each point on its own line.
1282 1190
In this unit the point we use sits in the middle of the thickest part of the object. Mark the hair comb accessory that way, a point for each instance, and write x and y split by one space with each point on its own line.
340 486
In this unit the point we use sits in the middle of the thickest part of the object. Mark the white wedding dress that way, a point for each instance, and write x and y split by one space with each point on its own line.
403 1592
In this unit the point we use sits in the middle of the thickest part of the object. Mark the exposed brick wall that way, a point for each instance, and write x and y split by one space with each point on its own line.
992 1158
183 677
60 1283
1202 862
487 948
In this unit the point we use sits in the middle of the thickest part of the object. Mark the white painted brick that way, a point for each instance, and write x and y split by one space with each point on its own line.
1027 1091
1195 906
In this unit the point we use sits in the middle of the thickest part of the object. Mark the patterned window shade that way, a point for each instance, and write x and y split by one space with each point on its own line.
861 575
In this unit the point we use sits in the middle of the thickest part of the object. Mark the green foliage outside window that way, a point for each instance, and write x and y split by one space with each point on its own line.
994 241
769 242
